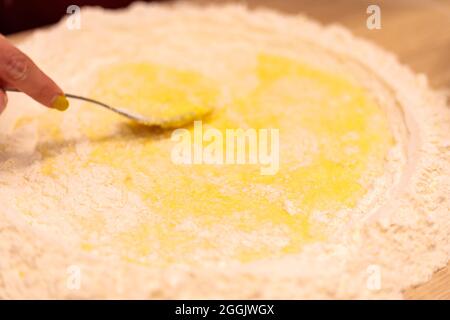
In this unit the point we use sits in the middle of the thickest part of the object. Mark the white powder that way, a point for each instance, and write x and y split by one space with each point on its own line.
400 229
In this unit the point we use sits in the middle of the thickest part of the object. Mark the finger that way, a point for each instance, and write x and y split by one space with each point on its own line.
18 71
3 100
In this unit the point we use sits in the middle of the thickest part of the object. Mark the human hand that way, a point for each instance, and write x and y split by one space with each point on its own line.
17 71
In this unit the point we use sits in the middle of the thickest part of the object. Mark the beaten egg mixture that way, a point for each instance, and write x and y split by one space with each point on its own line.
334 139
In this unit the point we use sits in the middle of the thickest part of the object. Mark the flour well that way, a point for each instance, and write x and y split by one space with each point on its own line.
363 189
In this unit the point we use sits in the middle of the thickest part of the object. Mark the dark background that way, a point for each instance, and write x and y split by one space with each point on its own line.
19 15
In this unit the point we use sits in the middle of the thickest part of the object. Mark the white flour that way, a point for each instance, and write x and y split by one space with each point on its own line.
397 236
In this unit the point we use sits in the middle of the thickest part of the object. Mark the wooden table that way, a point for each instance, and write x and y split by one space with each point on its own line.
418 31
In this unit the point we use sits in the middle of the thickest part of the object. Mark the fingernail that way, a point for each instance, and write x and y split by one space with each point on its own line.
60 103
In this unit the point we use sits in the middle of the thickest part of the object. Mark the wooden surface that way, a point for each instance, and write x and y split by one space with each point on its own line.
418 31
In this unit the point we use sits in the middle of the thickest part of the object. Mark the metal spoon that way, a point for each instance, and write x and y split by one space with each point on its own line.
164 123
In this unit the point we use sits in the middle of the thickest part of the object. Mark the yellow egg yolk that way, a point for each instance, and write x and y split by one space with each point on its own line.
333 142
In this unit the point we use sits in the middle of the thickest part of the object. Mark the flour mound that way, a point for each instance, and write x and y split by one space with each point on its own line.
397 236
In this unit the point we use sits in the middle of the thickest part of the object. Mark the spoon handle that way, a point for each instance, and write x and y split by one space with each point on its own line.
127 114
